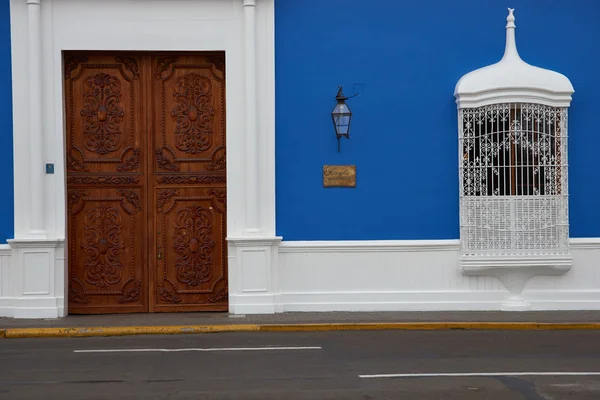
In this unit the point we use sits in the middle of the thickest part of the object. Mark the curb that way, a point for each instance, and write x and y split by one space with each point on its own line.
122 331
14 333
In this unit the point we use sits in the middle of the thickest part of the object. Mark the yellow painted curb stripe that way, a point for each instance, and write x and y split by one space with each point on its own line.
125 331
195 329
431 326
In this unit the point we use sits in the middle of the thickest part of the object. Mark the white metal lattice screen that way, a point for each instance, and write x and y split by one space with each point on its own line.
513 180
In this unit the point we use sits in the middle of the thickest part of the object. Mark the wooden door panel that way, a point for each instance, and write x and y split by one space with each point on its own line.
106 182
104 113
105 251
189 113
190 257
146 175
191 271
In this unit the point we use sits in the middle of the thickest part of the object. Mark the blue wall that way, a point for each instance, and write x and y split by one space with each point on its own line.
6 132
408 57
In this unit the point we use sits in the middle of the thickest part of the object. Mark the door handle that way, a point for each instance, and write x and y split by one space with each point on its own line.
159 255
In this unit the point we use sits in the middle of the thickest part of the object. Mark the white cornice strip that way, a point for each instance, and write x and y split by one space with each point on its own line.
361 246
368 246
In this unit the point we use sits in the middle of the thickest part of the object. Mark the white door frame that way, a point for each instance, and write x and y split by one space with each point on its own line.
41 30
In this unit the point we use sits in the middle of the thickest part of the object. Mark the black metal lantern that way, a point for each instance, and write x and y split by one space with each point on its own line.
341 116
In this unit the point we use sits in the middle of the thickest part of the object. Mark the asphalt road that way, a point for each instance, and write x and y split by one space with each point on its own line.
306 365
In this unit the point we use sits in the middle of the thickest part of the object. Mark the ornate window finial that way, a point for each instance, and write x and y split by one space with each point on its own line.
510 50
511 18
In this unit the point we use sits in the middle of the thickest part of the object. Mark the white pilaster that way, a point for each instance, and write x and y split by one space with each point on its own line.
251 155
36 270
36 160
253 256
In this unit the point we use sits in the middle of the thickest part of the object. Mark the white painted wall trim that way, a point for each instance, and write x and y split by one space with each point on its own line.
584 243
572 300
367 246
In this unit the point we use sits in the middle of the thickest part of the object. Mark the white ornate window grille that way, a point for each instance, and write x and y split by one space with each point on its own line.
513 178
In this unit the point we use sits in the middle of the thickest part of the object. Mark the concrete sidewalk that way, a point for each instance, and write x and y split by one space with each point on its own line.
179 323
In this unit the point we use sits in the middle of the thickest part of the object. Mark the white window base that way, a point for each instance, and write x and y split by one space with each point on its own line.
515 271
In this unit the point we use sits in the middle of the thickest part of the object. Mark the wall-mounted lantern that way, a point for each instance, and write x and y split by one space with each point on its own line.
341 116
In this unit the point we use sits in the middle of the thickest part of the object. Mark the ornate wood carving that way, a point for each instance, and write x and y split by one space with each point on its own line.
104 251
103 180
219 200
131 160
191 121
132 198
193 113
72 63
193 244
132 291
75 161
165 162
76 295
191 179
73 198
131 64
103 246
221 291
163 197
102 113
164 64
218 160
166 293
218 193
103 116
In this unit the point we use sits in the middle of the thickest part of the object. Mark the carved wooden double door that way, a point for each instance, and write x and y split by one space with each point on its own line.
146 182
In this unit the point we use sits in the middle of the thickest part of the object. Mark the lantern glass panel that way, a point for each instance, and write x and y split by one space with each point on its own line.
342 124
341 118
341 108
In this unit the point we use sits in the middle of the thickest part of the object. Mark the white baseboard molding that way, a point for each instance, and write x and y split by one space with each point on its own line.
34 308
325 276
417 301
424 275
435 301
254 304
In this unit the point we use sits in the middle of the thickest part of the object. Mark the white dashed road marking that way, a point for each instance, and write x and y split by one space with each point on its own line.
196 349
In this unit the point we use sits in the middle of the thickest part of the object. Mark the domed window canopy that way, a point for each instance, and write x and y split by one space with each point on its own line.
513 80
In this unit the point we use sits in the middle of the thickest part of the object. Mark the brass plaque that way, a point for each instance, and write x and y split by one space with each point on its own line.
339 176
